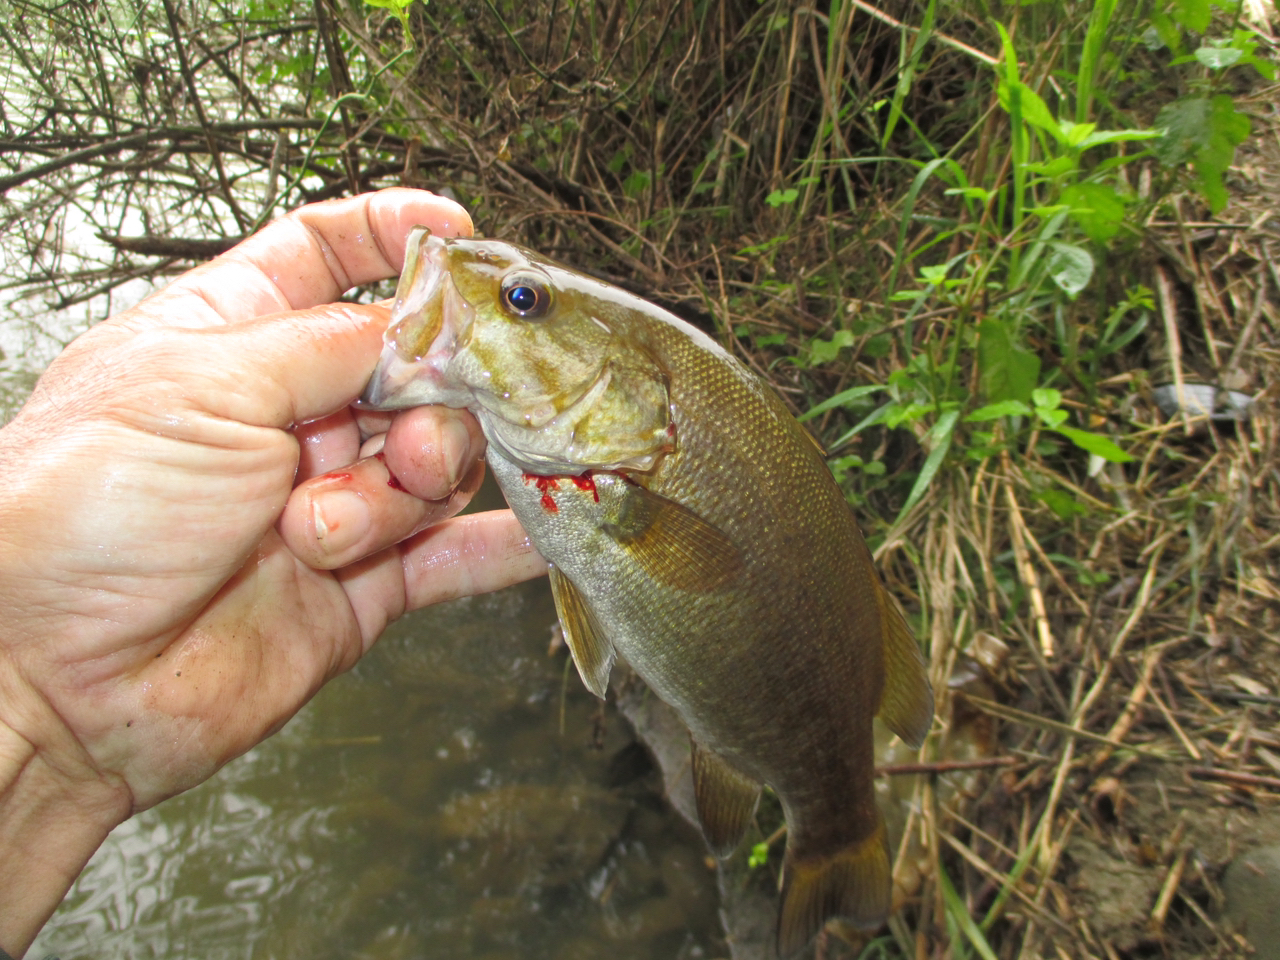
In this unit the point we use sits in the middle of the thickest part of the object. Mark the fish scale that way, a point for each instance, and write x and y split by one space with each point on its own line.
702 540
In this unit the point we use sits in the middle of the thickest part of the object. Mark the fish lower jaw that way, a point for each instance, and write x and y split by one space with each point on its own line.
554 458
526 461
398 384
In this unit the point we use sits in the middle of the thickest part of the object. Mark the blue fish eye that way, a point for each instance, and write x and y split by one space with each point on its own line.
526 297
522 298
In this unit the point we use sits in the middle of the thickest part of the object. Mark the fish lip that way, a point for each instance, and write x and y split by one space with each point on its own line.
400 381
388 387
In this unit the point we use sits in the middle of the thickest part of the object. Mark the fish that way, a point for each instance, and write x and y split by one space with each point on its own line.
692 530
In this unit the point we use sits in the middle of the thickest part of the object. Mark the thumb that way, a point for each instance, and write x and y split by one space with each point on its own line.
284 368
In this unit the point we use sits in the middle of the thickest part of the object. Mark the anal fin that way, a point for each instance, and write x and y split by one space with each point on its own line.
853 883
906 705
726 800
593 652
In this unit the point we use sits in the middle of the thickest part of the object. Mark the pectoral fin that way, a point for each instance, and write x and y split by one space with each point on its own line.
671 543
726 800
906 706
593 652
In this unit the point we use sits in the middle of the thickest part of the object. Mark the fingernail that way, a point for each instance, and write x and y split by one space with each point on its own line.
340 519
455 447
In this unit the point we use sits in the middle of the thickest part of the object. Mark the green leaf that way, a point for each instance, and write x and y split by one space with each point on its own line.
1046 398
1016 96
759 855
1246 40
759 249
1006 370
1071 267
1214 57
1204 131
944 164
618 162
843 398
1096 444
970 193
842 465
958 914
1051 418
824 351
1047 212
993 411
1062 503
899 414
1117 136
1096 208
392 5
938 439
934 274
1074 134
877 415
637 183
1164 32
1054 168
400 10
1192 14
878 346
1091 54
779 197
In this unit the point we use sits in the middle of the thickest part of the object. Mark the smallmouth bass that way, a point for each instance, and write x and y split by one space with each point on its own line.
692 528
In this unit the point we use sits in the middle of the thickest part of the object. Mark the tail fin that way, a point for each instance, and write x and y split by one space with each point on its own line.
854 882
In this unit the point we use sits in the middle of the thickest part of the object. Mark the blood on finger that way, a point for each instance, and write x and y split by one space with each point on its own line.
392 480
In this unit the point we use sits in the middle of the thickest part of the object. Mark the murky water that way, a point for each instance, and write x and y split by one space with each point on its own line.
458 795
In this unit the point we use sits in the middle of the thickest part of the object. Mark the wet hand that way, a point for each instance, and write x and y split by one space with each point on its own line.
197 530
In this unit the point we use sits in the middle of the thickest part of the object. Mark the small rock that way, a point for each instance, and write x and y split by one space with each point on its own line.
1252 888
1114 895
1203 400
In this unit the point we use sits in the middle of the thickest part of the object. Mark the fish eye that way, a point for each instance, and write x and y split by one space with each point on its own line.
526 296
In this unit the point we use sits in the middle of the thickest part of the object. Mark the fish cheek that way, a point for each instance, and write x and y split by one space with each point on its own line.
530 374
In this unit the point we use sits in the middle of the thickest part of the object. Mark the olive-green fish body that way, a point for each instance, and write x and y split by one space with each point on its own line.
694 529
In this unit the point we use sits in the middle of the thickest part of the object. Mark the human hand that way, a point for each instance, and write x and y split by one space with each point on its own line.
191 543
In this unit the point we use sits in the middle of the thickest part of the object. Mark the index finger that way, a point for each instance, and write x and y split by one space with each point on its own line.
309 257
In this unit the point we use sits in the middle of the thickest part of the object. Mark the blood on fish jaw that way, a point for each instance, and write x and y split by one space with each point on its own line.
545 484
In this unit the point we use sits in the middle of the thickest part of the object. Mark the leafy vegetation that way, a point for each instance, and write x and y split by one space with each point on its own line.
966 241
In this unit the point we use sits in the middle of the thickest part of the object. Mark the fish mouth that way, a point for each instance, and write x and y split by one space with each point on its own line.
428 316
